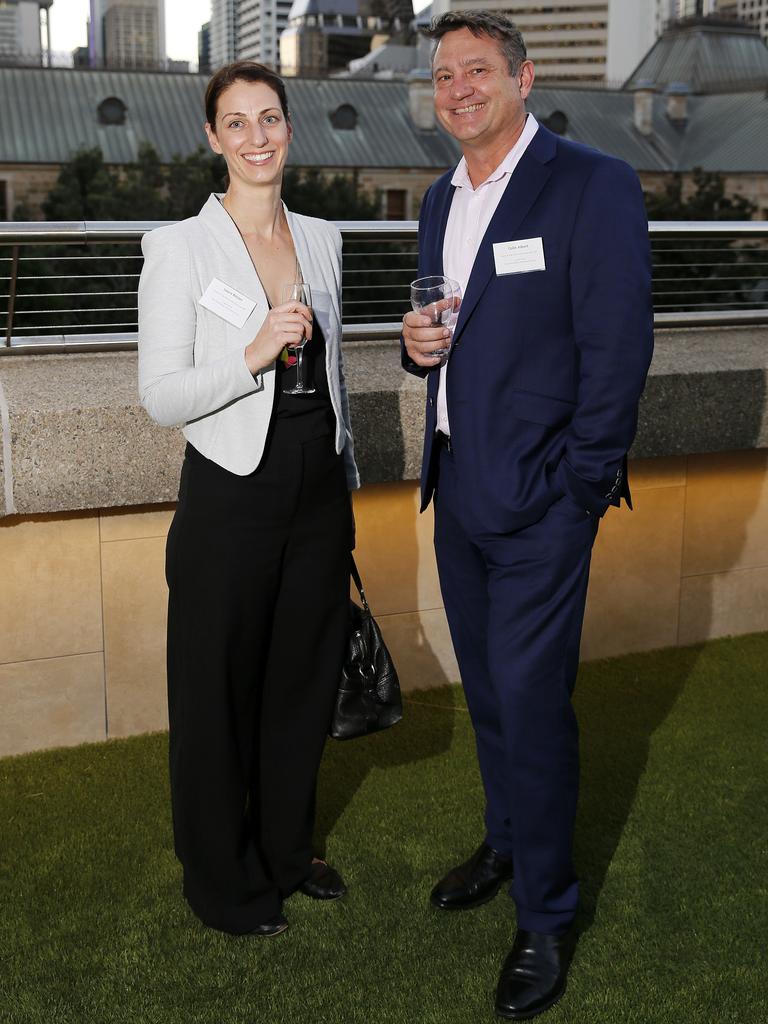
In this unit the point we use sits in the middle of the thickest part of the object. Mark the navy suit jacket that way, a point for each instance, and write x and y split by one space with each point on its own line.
547 367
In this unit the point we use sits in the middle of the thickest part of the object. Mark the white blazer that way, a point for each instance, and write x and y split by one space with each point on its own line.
192 367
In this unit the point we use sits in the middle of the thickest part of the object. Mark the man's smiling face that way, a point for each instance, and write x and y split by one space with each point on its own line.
477 100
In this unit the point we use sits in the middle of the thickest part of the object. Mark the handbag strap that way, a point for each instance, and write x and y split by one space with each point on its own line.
357 581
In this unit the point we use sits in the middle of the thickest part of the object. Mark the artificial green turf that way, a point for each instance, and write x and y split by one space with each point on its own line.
671 847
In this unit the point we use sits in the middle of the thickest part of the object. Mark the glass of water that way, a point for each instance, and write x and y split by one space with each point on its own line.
439 298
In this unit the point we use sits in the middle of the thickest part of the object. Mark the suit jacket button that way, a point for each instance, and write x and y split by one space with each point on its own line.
431 401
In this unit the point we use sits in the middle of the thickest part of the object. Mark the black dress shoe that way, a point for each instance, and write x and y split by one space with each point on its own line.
323 883
269 929
533 976
475 882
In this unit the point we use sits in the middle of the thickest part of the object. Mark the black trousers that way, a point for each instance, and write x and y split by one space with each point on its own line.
258 573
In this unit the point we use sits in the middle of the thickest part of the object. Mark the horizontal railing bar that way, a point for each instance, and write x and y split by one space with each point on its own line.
77 309
738 228
720 277
69 277
70 295
714 318
76 232
696 291
696 243
66 327
78 259
371 332
725 305
85 232
41 344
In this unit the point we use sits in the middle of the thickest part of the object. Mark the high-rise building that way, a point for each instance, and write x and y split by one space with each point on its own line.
127 33
327 35
247 30
690 8
581 40
754 12
204 49
223 17
21 31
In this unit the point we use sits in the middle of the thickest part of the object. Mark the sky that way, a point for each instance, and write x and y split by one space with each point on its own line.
183 19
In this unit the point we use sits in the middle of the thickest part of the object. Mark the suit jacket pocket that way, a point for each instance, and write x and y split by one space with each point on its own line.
543 409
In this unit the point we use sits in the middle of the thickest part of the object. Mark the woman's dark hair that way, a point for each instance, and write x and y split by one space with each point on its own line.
483 23
242 71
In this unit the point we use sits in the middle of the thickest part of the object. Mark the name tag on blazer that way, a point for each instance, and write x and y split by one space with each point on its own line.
227 302
519 257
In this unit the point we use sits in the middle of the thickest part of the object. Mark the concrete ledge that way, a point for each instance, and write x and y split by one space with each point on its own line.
75 436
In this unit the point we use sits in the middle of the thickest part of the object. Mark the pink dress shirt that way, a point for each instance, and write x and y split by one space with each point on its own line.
470 214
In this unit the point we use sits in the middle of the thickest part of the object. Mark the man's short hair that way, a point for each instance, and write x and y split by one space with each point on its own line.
483 23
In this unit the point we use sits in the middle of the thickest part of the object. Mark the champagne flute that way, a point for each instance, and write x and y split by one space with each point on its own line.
439 298
299 291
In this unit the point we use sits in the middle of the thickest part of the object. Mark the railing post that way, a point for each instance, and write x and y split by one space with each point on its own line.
12 295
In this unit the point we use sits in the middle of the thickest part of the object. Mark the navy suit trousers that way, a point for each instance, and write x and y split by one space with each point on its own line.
515 607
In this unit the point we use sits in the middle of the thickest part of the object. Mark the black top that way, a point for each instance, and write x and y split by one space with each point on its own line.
313 414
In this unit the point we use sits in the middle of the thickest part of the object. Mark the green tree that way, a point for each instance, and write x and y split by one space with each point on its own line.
89 190
336 198
708 201
701 272
86 190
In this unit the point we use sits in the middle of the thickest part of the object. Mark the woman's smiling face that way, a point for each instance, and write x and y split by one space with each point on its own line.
251 132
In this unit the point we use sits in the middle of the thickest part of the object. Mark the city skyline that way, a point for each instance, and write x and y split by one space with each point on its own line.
183 21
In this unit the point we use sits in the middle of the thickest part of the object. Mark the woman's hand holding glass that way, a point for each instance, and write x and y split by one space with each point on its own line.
287 325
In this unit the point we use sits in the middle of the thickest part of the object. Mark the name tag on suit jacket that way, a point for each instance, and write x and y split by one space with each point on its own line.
521 256
227 302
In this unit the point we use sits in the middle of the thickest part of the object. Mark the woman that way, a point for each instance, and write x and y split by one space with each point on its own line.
257 559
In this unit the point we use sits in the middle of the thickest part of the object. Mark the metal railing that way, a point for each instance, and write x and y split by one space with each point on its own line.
72 286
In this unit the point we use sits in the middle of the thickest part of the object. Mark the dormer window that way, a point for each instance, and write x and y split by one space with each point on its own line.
344 118
112 111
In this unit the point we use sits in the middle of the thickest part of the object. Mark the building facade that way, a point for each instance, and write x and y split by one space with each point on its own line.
204 49
127 33
247 30
754 12
583 40
21 31
324 36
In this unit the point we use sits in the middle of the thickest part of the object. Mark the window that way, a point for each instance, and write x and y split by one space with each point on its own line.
396 199
344 118
112 111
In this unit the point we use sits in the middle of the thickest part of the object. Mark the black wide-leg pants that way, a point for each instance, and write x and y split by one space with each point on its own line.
258 573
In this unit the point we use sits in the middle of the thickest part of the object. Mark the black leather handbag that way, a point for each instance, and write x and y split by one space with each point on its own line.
368 698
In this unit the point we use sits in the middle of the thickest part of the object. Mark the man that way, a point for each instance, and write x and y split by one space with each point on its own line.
527 429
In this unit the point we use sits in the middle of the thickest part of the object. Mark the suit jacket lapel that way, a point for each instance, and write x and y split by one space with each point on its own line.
523 189
432 260
241 273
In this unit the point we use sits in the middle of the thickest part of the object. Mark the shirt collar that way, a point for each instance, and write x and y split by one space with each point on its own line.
461 177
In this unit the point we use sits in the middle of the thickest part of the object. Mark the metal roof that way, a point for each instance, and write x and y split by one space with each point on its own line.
711 55
48 114
604 119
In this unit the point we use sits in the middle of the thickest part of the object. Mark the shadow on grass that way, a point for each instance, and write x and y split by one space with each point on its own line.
620 703
347 764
